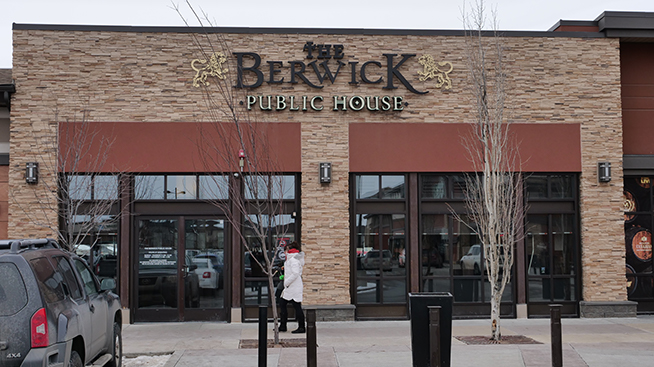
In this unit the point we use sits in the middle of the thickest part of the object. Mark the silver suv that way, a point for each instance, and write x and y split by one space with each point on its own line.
53 310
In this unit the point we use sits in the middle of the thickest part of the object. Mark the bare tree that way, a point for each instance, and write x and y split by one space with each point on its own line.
84 203
235 140
493 194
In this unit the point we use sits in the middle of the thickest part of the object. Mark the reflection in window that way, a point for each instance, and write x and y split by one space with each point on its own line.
87 187
380 187
80 187
434 187
181 187
263 187
149 187
367 187
214 187
435 245
105 187
278 230
537 187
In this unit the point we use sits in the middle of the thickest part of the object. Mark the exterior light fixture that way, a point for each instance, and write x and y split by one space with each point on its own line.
32 172
325 172
241 158
604 171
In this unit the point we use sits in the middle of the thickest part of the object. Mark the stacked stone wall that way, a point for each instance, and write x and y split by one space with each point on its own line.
147 77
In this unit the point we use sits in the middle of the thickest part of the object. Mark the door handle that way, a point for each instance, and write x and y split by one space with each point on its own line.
92 307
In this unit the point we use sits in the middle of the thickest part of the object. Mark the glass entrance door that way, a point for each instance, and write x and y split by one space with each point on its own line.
180 269
204 243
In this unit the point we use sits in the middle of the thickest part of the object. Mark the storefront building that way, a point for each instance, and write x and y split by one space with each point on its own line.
386 110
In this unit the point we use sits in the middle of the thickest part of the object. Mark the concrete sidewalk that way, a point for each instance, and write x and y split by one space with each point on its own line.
606 342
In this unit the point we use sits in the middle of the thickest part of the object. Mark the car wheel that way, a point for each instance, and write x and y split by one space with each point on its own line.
75 360
476 270
117 348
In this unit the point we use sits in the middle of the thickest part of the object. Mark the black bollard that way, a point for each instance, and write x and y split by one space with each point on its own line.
312 353
263 335
555 327
434 336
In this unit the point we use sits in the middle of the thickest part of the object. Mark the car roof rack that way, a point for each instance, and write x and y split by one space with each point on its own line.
16 245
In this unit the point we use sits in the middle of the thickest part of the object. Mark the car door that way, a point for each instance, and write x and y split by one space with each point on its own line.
98 309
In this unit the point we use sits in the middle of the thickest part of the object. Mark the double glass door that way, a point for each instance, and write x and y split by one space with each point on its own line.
180 273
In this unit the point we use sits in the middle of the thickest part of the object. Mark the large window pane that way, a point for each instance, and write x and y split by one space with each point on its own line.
368 256
80 187
284 187
562 187
368 291
273 230
564 244
394 291
537 187
435 245
468 258
149 187
436 285
181 187
367 187
538 257
214 187
467 290
263 187
105 187
434 187
392 187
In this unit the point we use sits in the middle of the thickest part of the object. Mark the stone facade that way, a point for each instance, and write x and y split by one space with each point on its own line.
147 77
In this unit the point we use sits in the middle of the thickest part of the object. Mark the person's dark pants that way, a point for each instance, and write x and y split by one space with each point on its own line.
299 315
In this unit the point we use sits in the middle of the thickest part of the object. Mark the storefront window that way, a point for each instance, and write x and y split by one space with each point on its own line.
274 187
638 224
380 187
214 187
181 187
381 258
551 257
434 187
149 187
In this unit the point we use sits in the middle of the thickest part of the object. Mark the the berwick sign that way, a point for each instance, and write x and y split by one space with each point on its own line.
326 65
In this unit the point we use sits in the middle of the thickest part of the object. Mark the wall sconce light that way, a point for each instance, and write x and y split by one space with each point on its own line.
604 171
325 172
32 172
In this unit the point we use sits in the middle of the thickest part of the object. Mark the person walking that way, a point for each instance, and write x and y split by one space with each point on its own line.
292 292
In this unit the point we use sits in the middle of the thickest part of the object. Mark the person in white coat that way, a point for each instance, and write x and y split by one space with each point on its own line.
292 292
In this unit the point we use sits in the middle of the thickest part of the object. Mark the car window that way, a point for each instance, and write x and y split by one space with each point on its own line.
13 295
49 280
87 278
63 266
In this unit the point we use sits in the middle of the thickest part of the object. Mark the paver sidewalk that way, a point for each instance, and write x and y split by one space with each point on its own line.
586 342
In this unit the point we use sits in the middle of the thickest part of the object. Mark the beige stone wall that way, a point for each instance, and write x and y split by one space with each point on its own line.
146 77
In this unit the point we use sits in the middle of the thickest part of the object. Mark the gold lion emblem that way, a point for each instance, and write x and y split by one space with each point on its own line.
214 67
431 71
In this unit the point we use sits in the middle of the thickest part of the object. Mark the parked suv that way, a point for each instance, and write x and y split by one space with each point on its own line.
53 310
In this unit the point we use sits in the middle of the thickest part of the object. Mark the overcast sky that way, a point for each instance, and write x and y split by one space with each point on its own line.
398 14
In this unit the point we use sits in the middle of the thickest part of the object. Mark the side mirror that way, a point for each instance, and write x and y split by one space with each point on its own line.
108 284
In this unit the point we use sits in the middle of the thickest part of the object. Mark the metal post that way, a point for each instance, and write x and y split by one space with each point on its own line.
555 324
312 354
434 336
263 335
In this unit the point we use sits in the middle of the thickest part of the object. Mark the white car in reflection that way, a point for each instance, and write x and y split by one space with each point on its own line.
207 275
371 261
472 260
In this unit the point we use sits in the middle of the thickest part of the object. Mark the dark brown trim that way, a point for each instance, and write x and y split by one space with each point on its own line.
321 31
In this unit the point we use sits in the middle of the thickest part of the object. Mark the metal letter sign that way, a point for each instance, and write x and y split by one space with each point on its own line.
325 172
